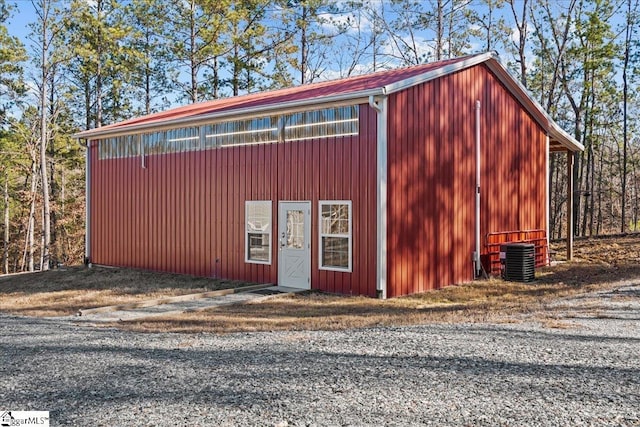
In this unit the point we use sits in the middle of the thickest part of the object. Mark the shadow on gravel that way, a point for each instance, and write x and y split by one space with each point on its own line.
551 335
98 373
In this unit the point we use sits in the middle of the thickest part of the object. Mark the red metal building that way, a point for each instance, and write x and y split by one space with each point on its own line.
365 185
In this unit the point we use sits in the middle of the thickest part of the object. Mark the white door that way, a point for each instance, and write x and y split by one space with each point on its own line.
294 244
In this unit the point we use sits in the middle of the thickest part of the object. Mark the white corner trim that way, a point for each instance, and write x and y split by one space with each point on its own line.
87 203
380 106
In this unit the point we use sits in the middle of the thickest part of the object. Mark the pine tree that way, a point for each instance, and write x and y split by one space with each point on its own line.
629 47
152 69
12 54
200 31
102 66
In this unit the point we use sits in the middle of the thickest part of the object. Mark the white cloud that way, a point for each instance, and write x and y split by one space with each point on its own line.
352 22
515 35
409 48
358 70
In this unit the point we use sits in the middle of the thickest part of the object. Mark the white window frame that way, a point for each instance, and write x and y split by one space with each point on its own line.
247 232
349 236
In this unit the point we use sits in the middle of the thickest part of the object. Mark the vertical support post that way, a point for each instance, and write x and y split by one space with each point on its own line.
476 253
87 205
547 201
570 195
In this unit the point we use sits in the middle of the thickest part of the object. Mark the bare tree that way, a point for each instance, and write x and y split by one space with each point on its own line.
520 17
44 36
629 33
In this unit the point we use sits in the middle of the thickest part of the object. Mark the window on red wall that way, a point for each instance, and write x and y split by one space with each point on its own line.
335 235
258 231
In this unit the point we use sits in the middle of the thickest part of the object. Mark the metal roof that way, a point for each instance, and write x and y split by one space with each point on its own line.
352 89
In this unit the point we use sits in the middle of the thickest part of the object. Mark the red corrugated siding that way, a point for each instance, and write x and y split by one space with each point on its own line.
432 176
185 212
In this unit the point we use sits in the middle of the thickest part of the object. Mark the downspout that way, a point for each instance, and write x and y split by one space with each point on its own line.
547 198
143 162
87 202
476 254
380 106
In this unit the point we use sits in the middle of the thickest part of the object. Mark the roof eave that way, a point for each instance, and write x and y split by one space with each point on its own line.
359 96
561 136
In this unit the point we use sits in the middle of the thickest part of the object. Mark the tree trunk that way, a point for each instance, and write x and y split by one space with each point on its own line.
216 78
522 26
625 136
192 53
51 157
303 45
87 104
636 196
27 258
599 193
99 96
574 198
439 31
44 136
63 233
147 74
235 75
5 252
99 76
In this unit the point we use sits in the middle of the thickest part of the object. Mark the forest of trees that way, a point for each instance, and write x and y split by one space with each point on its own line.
88 63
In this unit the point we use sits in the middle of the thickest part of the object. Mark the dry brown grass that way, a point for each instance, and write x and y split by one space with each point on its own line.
481 301
599 264
65 291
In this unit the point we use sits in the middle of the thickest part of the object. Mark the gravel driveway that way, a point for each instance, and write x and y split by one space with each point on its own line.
505 374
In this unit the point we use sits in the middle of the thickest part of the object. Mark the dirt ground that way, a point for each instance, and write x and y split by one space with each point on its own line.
600 264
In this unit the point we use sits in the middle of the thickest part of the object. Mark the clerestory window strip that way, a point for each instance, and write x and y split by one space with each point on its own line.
334 122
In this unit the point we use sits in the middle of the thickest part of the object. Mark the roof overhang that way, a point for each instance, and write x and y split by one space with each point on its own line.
195 120
559 139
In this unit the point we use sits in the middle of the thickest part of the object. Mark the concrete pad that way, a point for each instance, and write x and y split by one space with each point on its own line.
182 304
169 300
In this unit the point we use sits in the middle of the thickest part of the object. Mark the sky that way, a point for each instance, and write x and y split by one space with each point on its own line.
23 15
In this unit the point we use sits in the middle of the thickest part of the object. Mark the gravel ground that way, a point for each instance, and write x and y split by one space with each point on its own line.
475 374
